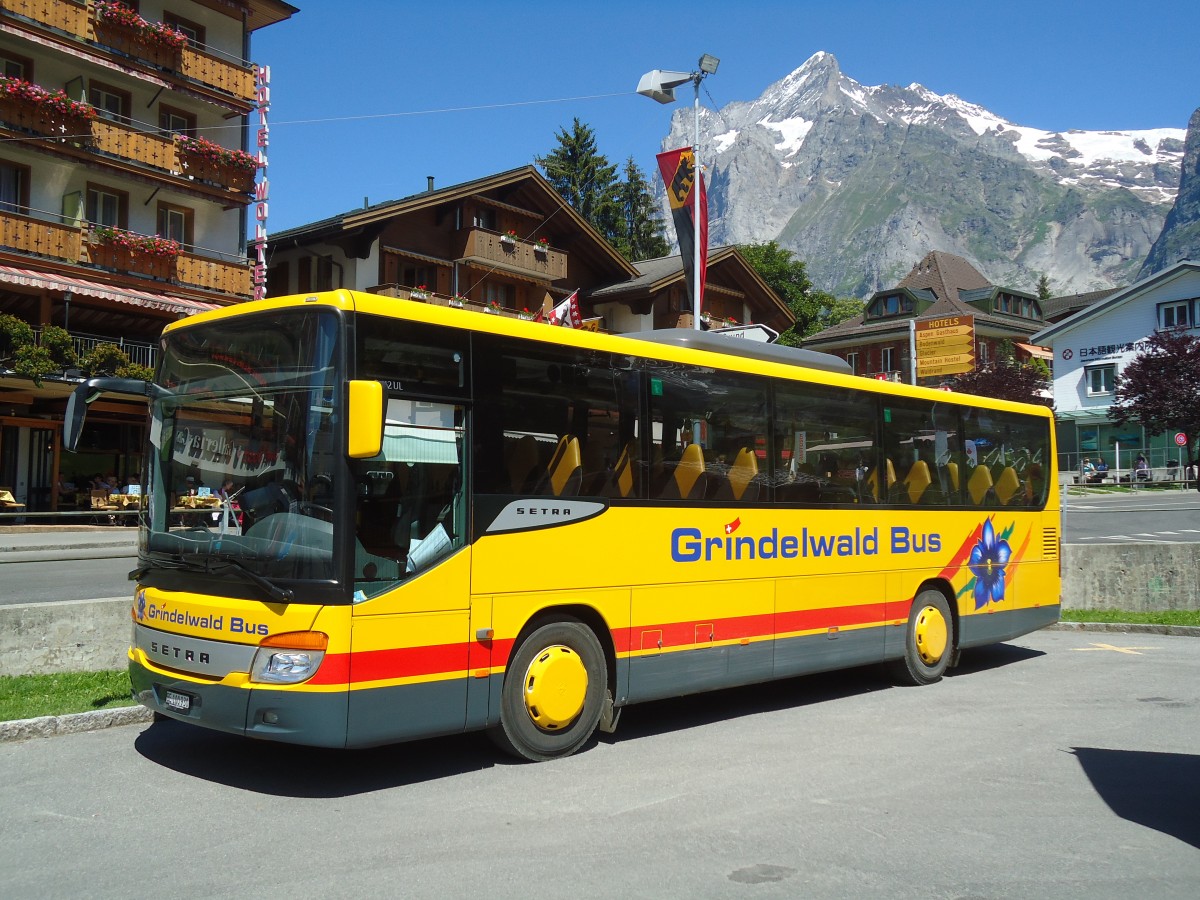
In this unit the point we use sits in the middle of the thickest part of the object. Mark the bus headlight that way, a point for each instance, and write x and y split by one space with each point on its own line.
288 658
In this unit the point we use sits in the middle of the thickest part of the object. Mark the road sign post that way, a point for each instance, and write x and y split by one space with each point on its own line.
945 346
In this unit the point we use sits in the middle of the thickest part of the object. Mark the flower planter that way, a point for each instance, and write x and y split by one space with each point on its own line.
44 120
508 242
203 169
130 42
418 295
125 260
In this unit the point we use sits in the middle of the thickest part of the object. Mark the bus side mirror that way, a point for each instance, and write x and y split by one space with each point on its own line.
365 419
90 391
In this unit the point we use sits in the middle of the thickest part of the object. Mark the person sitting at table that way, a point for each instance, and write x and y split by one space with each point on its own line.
1101 471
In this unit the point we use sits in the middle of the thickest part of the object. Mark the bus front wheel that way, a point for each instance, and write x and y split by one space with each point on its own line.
928 643
553 695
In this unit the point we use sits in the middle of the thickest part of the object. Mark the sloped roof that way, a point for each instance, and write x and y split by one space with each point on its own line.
1115 299
1057 308
526 178
948 278
657 274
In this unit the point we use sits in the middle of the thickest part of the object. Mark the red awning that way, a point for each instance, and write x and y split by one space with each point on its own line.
46 281
1035 351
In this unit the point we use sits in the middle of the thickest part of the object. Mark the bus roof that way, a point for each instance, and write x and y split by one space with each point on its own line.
717 343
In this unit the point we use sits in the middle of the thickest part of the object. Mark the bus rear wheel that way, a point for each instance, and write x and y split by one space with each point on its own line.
928 643
553 693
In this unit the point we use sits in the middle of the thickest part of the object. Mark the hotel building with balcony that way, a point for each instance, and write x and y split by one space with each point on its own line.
125 174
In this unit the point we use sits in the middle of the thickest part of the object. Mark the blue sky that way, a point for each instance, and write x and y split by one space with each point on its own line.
368 97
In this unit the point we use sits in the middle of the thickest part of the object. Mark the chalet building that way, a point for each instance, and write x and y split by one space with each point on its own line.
734 293
941 286
508 245
1093 346
125 176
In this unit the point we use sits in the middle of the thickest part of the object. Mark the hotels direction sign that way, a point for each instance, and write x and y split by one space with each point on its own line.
945 346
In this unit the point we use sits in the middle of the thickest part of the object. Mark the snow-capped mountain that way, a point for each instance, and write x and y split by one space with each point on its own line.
862 181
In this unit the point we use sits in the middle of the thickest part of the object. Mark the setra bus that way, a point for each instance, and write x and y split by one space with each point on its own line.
367 520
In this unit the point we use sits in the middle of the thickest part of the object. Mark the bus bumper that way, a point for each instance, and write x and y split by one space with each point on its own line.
315 719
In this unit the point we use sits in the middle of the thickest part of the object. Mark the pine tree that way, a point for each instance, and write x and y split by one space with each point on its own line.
584 178
1043 288
641 223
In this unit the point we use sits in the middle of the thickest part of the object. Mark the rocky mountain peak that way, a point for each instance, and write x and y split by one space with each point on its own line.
861 181
1180 237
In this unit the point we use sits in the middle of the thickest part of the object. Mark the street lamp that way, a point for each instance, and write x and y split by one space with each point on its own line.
660 85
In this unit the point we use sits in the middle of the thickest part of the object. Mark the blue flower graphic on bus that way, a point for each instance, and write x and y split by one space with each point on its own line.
987 562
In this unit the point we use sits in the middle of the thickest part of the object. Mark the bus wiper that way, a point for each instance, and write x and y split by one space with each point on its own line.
179 561
274 591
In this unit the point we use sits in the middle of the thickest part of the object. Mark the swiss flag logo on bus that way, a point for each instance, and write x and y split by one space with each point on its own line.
733 526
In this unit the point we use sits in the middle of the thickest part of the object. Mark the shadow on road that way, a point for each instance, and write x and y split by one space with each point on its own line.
993 656
306 772
286 770
1157 790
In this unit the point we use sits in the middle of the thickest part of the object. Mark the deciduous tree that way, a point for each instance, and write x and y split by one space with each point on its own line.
1006 378
787 276
1160 388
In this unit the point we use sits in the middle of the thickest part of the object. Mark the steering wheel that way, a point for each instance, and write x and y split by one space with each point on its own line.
315 510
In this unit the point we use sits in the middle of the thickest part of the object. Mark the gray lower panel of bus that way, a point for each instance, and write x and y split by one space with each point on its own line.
318 721
691 671
975 631
388 715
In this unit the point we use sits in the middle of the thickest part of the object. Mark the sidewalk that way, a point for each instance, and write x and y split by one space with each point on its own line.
48 543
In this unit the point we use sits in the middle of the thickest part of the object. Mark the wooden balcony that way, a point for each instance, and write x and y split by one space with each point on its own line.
162 152
116 139
48 239
69 17
78 18
508 254
187 268
26 234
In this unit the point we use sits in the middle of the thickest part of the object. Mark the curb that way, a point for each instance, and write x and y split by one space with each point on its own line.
76 552
1127 628
73 723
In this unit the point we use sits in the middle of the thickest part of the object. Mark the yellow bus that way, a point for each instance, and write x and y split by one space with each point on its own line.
367 520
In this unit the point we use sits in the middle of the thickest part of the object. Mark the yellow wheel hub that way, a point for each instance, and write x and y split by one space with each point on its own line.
932 635
555 687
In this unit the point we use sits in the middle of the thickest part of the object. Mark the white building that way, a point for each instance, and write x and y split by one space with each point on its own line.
1092 347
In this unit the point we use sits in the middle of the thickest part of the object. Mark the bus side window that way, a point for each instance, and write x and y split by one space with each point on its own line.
826 447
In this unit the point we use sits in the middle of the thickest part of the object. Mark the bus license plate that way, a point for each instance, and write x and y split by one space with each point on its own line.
176 700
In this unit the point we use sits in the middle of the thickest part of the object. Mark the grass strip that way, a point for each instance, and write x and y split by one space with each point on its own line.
1167 617
30 696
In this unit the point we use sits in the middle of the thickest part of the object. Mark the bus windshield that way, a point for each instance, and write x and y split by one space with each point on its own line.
244 439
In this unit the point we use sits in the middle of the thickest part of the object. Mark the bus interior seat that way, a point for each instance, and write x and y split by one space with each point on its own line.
621 482
522 464
1007 485
917 480
565 472
979 484
952 471
873 479
688 480
738 483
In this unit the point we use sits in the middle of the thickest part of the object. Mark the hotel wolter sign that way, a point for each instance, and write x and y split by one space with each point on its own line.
945 346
